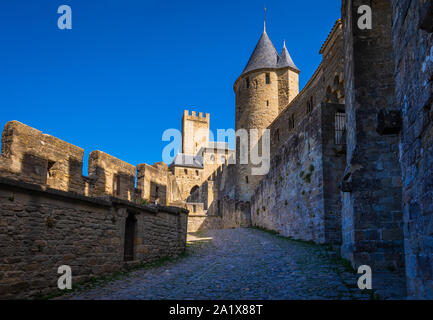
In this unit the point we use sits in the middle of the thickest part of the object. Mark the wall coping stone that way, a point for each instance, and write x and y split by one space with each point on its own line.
106 201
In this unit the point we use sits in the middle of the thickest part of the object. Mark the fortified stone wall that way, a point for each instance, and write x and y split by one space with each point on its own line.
413 49
187 179
43 228
31 156
326 85
28 155
111 176
295 199
234 213
213 204
371 217
157 183
300 196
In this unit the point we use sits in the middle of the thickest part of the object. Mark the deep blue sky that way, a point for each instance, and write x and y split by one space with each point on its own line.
128 68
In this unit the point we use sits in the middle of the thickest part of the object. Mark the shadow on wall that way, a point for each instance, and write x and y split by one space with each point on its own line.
66 176
158 193
194 195
31 156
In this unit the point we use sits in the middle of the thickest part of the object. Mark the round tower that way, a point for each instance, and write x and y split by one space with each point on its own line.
266 86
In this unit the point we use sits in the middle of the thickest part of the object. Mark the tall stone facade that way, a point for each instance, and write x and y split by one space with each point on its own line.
387 201
412 39
372 223
195 132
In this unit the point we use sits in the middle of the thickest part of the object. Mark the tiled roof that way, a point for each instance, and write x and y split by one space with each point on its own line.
188 160
337 24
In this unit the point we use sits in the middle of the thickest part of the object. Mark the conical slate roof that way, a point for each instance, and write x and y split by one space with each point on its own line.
266 56
285 59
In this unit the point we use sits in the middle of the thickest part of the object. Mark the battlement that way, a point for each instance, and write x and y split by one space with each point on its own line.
195 117
195 132
29 155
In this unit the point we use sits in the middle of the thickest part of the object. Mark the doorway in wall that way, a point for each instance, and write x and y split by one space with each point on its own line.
130 229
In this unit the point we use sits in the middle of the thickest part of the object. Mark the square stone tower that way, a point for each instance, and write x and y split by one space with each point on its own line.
195 132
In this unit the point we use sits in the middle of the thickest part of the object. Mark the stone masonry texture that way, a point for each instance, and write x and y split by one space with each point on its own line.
351 166
42 229
413 51
372 224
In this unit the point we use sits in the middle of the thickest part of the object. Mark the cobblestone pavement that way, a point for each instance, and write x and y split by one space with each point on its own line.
239 264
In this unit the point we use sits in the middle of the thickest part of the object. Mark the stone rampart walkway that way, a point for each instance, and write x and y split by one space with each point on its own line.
239 264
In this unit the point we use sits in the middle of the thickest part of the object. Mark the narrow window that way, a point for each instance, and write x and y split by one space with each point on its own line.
194 208
268 78
277 135
246 179
50 171
196 172
340 128
116 185
267 103
292 121
186 171
248 82
310 105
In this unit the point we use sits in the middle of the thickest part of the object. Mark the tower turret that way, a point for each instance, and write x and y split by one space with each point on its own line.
266 86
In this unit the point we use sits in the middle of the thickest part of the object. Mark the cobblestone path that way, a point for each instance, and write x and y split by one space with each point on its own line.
239 264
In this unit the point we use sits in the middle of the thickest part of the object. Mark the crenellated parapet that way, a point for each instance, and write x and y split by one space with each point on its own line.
112 176
196 116
155 183
29 155
32 156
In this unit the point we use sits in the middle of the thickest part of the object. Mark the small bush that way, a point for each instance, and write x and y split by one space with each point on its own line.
49 221
143 202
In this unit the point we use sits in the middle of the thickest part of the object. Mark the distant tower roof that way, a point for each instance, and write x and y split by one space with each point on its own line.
266 56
